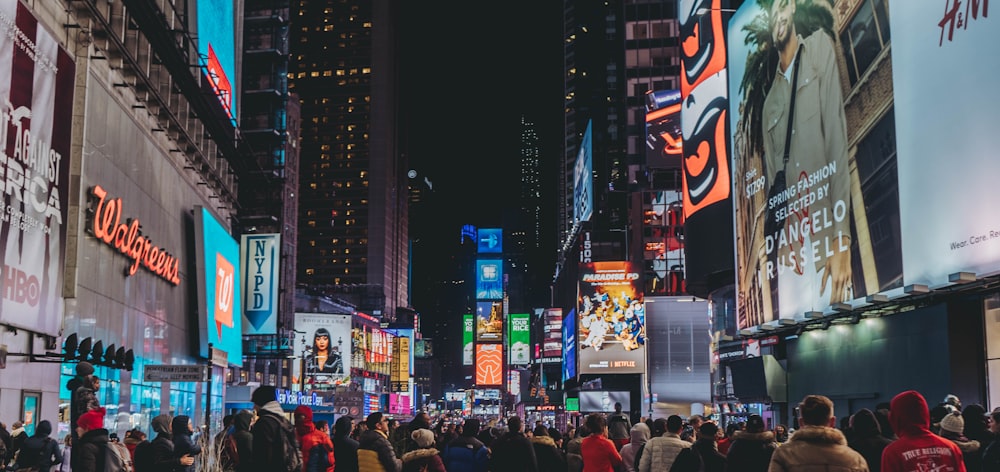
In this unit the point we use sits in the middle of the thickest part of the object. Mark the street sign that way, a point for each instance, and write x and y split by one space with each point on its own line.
174 373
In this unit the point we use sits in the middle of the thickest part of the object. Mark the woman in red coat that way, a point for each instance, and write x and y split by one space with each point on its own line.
310 437
599 453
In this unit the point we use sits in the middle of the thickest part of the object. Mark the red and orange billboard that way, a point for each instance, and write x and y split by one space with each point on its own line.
489 364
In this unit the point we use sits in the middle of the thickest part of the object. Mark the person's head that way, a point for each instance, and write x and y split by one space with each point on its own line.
377 421
583 431
181 425
864 424
68 440
695 421
89 421
227 421
471 428
138 435
708 431
908 414
322 425
321 341
113 437
993 419
44 429
263 395
618 407
780 429
675 424
94 382
18 424
303 415
556 436
816 410
161 424
540 430
951 400
597 424
514 424
975 420
782 22
423 437
755 424
659 428
952 425
343 426
731 429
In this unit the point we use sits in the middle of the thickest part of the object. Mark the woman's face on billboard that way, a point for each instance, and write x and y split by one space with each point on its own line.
322 343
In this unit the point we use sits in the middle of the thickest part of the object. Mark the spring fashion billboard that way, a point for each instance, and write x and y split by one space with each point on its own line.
611 325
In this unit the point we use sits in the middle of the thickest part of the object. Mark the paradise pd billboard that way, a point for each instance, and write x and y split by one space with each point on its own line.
611 319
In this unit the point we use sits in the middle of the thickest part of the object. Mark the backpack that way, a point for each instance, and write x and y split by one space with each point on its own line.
292 453
319 458
116 458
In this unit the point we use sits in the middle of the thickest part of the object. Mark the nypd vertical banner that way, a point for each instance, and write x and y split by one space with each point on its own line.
260 256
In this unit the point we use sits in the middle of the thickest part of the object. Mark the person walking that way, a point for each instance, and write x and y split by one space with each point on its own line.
817 444
705 446
751 449
425 457
67 454
310 438
40 451
513 450
375 453
669 451
917 448
466 453
345 448
638 436
598 451
868 439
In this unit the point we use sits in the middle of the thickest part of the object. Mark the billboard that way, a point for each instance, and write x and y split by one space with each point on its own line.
583 175
601 401
816 203
327 348
490 241
569 346
664 145
611 321
553 329
219 300
371 349
217 49
36 106
519 338
400 377
489 279
489 321
468 333
260 260
489 364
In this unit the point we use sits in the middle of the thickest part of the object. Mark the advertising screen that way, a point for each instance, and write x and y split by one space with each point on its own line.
601 401
663 129
468 332
569 346
817 196
519 338
489 279
219 299
552 342
611 321
217 48
327 349
490 241
36 103
583 174
489 321
372 349
400 377
260 259
489 364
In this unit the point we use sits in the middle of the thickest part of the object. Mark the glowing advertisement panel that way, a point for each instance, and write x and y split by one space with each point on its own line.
601 401
217 48
36 106
489 279
552 340
611 321
664 145
519 338
328 348
489 321
468 333
819 224
583 175
219 300
490 241
569 346
260 259
489 364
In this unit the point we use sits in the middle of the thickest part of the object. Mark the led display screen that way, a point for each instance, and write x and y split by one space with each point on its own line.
583 187
519 338
489 364
611 319
490 240
663 128
489 279
327 349
600 401
219 299
553 329
489 321
468 332
217 48
569 346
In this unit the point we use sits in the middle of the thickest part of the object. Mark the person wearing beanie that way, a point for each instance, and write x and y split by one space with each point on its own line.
467 453
375 452
917 448
92 439
182 429
953 429
270 432
40 451
425 457
345 448
868 439
322 458
817 444
83 370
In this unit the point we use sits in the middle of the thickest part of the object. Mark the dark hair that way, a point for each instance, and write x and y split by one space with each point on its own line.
342 426
320 424
583 431
674 423
471 427
322 332
555 434
596 422
618 406
374 419
816 410
659 427
227 420
541 430
514 424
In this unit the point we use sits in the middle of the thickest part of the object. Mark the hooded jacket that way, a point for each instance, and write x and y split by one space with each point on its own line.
309 437
868 439
244 440
88 453
345 448
548 456
417 459
268 445
816 448
638 436
917 448
40 450
183 445
751 452
466 454
159 454
513 451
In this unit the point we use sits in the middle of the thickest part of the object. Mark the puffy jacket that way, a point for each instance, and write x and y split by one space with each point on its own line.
817 448
268 443
466 454
513 451
549 457
313 438
917 448
638 436
375 453
417 459
750 452
88 454
660 452
574 456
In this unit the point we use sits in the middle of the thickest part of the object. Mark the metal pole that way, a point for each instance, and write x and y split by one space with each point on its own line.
208 394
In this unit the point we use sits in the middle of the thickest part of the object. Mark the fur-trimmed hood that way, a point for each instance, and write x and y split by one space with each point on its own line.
819 435
966 445
419 454
763 436
543 440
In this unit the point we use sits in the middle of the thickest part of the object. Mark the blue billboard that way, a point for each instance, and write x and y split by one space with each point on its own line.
490 241
217 49
569 345
219 307
489 279
583 183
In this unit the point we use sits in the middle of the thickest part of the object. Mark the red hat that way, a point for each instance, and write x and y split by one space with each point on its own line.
303 413
93 419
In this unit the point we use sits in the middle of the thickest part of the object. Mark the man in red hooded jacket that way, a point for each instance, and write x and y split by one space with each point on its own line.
917 448
310 437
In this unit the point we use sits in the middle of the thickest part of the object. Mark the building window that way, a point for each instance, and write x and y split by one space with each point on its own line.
866 36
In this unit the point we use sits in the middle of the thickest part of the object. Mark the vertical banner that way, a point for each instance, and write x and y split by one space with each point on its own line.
36 115
569 346
519 339
260 258
400 377
489 279
664 145
612 319
326 354
489 365
583 179
468 332
219 299
552 340
489 321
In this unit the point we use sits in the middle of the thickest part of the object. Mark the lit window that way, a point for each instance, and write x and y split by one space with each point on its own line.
314 73
340 72
301 75
310 271
366 70
367 24
328 28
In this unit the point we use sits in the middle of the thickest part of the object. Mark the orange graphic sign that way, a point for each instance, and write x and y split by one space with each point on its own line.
225 277
126 237
489 364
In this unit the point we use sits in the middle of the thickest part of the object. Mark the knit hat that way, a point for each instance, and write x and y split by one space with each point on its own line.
755 424
303 414
423 437
84 369
161 424
93 419
263 395
953 422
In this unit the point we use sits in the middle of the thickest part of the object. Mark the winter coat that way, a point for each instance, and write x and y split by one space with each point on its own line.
549 457
67 457
917 448
750 452
89 454
637 438
713 460
345 450
868 439
619 426
17 438
976 429
40 450
375 453
466 454
86 400
268 442
416 460
661 452
817 448
162 451
574 457
599 454
183 444
513 451
991 456
244 440
313 438
972 455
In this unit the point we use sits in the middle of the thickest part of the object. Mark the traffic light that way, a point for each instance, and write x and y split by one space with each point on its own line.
95 353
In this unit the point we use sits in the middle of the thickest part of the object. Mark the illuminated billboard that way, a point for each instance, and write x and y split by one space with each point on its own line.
601 401
611 320
36 106
583 178
490 241
519 338
553 329
468 332
372 349
489 321
569 346
217 49
664 145
489 279
817 200
400 377
260 261
327 349
219 300
489 364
